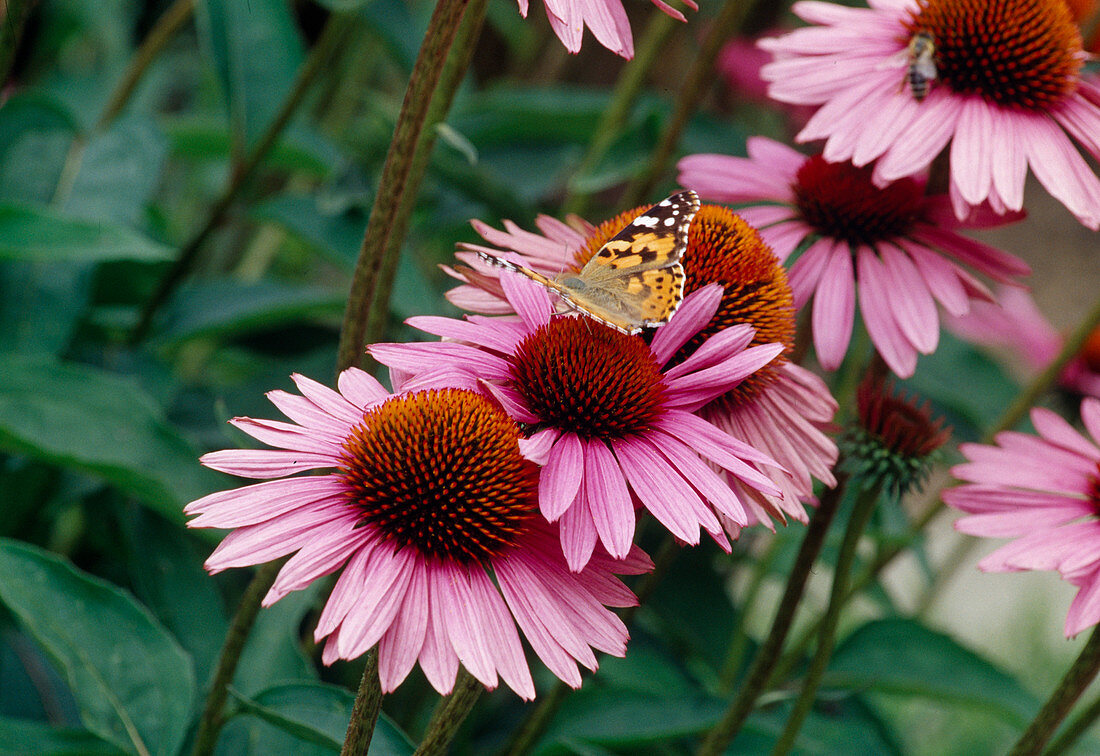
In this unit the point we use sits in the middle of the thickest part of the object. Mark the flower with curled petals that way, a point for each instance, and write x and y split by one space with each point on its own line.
428 503
783 409
1044 492
612 418
606 19
894 245
1009 95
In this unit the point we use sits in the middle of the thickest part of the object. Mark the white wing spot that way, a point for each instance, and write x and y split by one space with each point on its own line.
670 221
648 221
665 202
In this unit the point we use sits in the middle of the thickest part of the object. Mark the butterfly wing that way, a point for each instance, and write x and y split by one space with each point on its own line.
636 279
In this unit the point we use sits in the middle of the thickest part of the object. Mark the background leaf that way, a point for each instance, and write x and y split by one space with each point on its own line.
95 422
132 681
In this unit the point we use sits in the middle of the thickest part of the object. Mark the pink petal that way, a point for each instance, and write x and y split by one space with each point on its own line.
834 308
608 499
561 477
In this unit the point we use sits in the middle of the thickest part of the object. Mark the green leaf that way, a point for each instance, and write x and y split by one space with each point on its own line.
119 171
904 658
273 653
98 423
131 680
336 235
298 149
695 587
41 304
35 134
40 234
20 737
256 51
303 719
837 726
165 570
226 308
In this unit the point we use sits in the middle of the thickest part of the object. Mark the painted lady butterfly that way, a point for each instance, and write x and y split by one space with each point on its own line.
634 281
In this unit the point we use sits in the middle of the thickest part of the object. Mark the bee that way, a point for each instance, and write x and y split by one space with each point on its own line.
922 66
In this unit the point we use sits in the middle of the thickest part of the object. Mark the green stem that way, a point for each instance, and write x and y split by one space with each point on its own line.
723 733
170 22
1073 731
701 74
331 38
739 637
449 715
612 120
454 70
861 515
364 712
213 713
365 282
11 32
1056 708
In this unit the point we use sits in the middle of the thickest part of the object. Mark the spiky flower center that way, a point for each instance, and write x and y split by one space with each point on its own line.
1018 53
895 438
441 472
724 249
582 377
839 200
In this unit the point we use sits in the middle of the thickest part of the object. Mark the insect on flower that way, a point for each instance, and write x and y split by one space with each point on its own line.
922 65
634 281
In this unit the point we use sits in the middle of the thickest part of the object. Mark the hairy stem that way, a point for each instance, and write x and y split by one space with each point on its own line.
454 70
364 712
449 715
366 278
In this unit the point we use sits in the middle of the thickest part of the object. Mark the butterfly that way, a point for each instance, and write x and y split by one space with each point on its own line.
636 279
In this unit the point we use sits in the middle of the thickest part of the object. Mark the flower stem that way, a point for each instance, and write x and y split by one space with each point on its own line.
826 638
454 70
213 713
170 22
625 94
723 733
11 31
1056 708
1077 727
701 74
364 712
366 279
330 41
449 715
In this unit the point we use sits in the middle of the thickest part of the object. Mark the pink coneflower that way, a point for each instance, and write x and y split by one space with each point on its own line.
1016 323
1045 492
1008 94
606 19
430 507
782 409
613 420
895 245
